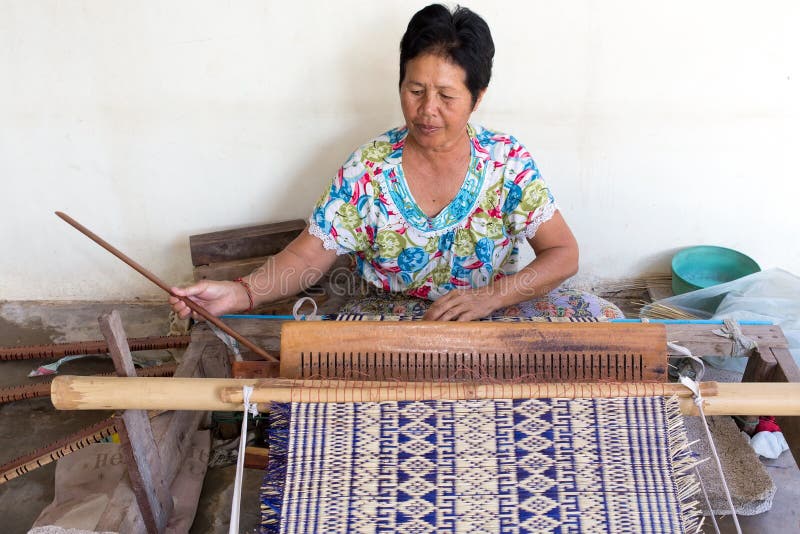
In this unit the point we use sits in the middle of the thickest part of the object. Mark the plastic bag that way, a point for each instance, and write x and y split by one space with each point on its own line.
772 295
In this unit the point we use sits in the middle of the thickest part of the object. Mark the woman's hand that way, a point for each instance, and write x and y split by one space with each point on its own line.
463 305
218 298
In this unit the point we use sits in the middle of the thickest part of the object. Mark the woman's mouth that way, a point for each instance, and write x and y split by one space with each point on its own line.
427 128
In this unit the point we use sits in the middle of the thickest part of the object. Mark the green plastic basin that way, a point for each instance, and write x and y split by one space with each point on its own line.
705 266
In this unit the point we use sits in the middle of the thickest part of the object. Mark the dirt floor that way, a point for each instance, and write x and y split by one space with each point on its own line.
26 425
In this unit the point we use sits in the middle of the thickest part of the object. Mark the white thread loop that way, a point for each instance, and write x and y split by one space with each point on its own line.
237 484
299 304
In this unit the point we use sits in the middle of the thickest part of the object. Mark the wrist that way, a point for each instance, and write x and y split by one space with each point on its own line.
248 302
513 289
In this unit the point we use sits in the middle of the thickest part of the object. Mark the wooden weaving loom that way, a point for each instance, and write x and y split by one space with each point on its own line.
327 361
332 362
579 359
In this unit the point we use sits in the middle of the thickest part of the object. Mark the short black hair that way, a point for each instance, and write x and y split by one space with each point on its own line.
461 36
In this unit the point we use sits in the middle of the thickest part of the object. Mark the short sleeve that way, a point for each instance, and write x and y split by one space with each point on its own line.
339 216
528 201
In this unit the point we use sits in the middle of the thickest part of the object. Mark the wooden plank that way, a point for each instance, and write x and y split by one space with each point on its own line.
138 446
699 336
243 243
413 350
254 369
760 366
700 339
215 364
265 332
172 431
112 330
145 470
256 457
786 370
228 270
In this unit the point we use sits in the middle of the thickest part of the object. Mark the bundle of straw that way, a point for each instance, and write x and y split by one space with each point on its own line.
641 283
656 310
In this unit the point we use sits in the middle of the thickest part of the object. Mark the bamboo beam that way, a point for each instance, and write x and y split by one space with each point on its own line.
99 393
363 391
119 393
93 393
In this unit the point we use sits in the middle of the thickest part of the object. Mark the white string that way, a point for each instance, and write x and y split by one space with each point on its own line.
237 484
299 304
694 387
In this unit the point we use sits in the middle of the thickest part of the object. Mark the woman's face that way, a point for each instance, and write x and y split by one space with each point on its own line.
436 102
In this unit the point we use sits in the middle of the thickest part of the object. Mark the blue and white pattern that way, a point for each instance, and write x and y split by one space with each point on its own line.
368 210
474 466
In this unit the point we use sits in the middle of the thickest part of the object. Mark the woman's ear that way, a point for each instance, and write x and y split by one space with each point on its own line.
478 100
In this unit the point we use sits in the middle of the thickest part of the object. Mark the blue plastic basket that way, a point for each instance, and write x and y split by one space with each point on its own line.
705 266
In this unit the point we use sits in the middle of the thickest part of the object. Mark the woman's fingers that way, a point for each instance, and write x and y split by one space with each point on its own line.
217 297
447 307
178 304
192 290
460 305
439 308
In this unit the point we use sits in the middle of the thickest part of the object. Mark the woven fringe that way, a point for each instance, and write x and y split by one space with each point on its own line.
687 486
278 423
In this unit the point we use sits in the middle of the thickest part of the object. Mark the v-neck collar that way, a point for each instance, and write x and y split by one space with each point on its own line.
455 211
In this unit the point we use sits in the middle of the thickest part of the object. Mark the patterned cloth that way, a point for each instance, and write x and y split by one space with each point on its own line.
561 303
534 465
368 210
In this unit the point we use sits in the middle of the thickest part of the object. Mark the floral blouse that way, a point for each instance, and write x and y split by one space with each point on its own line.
368 211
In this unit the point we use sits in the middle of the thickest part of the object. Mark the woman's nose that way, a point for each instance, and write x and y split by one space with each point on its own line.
428 104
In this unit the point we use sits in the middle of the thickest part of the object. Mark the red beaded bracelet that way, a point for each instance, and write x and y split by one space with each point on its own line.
248 291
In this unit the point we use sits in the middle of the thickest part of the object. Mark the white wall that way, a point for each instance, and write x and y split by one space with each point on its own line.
657 124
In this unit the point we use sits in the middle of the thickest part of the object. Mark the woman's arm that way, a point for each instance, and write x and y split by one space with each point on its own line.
300 265
556 260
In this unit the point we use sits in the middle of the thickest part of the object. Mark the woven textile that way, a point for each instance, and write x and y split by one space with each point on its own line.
561 303
535 465
508 319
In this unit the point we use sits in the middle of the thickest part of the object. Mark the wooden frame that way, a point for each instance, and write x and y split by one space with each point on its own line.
771 362
154 445
154 457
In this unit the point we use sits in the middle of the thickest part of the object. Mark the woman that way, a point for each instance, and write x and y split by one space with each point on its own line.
433 211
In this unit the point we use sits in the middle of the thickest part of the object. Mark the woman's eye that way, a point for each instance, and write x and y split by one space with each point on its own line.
447 97
416 92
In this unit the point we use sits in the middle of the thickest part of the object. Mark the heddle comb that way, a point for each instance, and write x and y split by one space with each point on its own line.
435 351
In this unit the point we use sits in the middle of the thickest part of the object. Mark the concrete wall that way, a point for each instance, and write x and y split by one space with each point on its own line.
658 125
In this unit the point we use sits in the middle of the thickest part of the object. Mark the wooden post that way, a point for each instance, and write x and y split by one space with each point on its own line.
136 437
173 433
786 370
760 366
